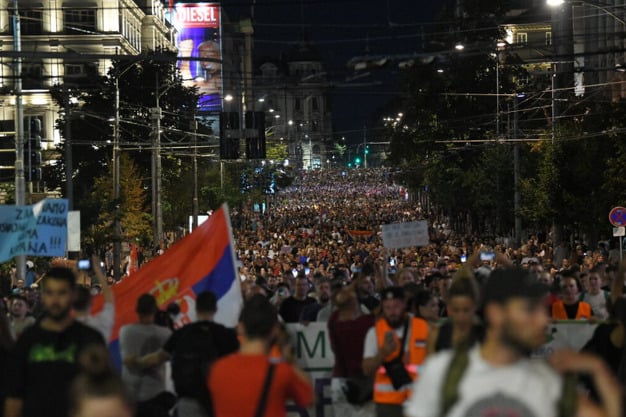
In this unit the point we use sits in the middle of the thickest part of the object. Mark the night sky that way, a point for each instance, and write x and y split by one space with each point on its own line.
341 30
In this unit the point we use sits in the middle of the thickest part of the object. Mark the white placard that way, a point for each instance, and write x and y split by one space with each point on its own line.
73 231
619 231
405 235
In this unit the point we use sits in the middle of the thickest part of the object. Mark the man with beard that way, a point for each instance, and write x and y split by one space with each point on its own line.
394 347
498 378
310 311
45 359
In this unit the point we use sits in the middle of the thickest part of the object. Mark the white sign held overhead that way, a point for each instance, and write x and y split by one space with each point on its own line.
73 231
404 235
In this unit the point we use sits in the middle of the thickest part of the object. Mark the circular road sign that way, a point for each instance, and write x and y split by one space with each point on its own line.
617 216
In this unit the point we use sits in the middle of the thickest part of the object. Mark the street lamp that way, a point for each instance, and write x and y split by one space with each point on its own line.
557 3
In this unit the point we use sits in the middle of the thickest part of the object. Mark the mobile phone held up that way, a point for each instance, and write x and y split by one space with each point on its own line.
487 256
84 264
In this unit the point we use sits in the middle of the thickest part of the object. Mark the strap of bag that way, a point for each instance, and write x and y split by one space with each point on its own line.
404 335
260 409
454 374
568 403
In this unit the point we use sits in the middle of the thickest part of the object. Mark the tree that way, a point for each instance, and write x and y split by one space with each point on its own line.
130 209
140 84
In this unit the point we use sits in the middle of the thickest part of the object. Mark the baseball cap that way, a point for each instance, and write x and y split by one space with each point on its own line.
504 284
390 293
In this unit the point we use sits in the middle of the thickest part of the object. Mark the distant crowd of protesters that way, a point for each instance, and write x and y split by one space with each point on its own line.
393 318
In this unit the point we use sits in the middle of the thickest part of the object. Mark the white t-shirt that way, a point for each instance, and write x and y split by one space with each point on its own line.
597 303
370 347
528 388
138 340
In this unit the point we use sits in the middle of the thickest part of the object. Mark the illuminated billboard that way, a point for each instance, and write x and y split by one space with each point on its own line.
199 51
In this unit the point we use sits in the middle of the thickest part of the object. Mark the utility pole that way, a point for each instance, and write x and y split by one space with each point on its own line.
69 160
365 146
156 169
516 175
194 126
20 183
117 227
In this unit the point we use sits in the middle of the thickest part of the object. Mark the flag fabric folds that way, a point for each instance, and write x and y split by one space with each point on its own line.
203 260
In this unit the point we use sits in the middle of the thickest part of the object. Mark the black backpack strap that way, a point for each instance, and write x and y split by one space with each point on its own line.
454 374
260 409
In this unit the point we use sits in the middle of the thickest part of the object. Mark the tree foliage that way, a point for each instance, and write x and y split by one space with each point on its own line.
141 85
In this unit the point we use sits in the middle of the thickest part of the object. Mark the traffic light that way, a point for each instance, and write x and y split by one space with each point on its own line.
255 135
229 135
367 150
357 160
33 156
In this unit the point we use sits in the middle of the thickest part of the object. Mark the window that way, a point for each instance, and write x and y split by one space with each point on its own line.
521 38
32 75
548 38
298 103
81 21
314 104
75 69
31 21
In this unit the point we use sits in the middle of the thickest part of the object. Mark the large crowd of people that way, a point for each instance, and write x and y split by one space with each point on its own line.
442 329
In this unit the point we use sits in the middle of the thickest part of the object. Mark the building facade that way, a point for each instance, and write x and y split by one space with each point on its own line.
64 40
294 93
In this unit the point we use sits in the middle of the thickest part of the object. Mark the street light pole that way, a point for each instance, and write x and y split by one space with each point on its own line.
117 227
365 147
195 174
20 181
156 167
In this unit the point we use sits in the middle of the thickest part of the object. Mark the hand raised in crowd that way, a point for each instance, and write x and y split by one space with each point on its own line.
389 345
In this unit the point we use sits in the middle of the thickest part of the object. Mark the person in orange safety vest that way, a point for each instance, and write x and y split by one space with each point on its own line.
569 307
394 348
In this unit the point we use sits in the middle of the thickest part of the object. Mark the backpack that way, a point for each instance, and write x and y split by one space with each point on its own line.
460 361
192 357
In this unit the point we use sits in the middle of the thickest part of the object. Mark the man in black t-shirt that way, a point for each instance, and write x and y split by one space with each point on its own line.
291 308
192 349
46 358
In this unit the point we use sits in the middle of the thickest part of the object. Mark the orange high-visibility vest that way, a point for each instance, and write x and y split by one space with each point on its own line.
559 312
414 355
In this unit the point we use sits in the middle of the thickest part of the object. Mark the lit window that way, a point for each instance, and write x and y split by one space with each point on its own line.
521 38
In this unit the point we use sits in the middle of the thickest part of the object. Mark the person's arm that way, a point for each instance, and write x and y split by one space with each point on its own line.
13 407
152 359
374 357
431 341
107 292
608 388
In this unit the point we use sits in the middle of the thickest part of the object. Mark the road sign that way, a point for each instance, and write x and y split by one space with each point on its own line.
619 231
617 216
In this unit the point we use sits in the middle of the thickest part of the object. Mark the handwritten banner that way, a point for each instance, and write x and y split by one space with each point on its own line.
405 235
37 230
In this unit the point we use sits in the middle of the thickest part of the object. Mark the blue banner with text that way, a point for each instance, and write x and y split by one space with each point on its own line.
37 230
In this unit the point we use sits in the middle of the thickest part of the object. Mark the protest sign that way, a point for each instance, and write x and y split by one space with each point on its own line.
405 235
37 230
73 231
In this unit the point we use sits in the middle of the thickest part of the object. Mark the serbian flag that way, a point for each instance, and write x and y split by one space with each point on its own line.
202 261
134 260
